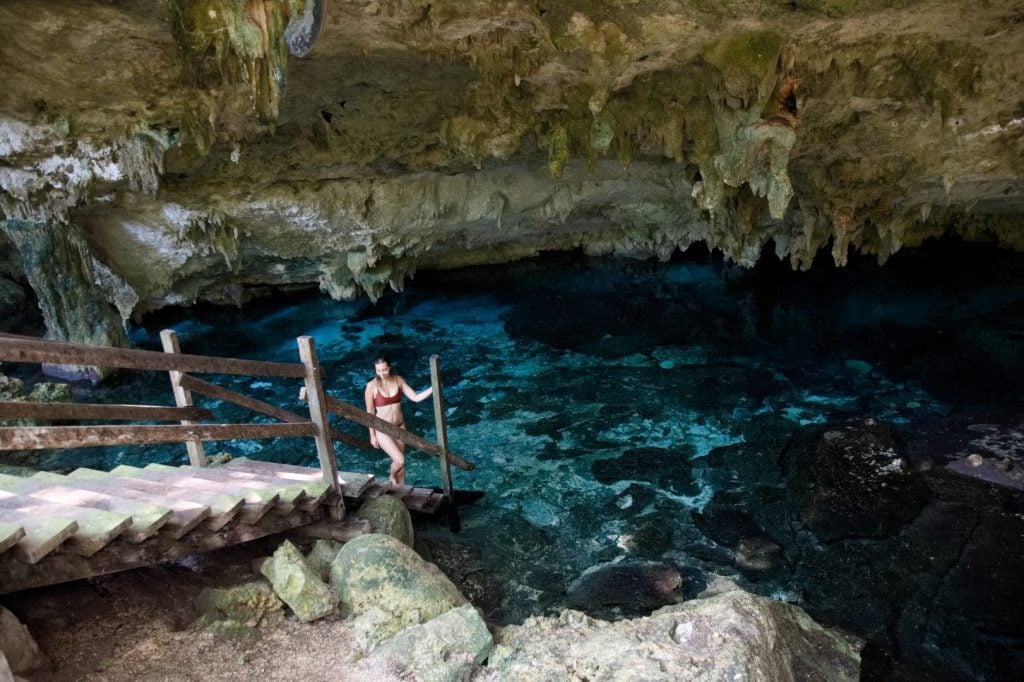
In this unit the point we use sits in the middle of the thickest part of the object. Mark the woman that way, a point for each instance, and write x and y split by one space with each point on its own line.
383 398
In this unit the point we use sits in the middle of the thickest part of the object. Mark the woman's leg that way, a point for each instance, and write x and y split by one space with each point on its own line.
396 451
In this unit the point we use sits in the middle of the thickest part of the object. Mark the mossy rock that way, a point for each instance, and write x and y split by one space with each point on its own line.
252 605
388 515
379 577
297 583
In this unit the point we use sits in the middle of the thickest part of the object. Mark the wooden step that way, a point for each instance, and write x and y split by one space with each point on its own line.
40 534
375 489
433 503
401 491
146 518
223 508
417 498
348 528
258 499
311 480
10 533
185 515
290 493
96 528
352 483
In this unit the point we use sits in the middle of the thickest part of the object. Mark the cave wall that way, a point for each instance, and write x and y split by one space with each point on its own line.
199 149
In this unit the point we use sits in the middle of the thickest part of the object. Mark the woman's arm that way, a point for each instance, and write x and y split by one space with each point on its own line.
413 395
368 397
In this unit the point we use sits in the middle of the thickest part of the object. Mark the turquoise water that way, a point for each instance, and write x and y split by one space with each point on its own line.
589 393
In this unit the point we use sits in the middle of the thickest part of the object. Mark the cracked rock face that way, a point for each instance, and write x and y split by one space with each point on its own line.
190 154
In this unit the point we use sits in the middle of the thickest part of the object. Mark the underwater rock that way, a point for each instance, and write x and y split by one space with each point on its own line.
853 480
731 635
625 588
752 551
668 469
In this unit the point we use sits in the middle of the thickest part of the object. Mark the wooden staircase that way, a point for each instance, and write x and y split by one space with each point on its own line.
55 528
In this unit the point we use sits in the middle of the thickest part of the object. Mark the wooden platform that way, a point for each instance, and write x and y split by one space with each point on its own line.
55 528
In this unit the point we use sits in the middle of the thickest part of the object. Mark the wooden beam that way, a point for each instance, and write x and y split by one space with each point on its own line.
220 393
57 437
441 426
28 349
182 397
119 555
364 418
76 411
318 412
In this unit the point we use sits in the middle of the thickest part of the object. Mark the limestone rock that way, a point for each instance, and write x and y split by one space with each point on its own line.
297 584
17 644
629 128
322 556
240 609
388 515
733 635
444 649
383 580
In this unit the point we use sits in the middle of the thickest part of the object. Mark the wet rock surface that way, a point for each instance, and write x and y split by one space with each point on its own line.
913 548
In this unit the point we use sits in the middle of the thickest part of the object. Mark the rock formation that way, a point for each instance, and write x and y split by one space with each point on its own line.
164 153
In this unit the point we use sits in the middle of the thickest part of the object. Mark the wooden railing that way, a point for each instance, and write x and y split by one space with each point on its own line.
180 367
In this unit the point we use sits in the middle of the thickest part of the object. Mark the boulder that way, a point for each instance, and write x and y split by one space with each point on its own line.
298 585
625 588
852 481
322 556
729 636
388 515
17 644
386 584
445 649
239 610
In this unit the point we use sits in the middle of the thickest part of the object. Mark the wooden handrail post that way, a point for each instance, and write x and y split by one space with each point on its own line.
318 412
442 441
182 398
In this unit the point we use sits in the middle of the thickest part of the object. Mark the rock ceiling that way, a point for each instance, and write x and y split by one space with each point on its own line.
155 153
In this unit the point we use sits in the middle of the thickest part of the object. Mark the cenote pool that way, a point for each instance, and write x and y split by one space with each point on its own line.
639 427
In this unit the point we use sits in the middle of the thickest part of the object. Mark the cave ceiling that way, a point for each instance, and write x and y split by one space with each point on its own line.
157 153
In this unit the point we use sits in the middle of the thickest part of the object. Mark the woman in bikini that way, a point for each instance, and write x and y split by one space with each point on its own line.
383 398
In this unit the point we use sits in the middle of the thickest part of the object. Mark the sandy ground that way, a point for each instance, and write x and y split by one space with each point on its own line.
136 626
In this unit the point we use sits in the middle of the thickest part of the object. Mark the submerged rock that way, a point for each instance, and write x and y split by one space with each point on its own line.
729 636
625 588
853 480
668 469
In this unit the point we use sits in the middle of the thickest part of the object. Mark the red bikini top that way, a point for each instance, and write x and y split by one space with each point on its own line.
380 400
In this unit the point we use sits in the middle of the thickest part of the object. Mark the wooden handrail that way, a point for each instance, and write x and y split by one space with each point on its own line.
69 411
220 393
15 348
47 437
376 423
